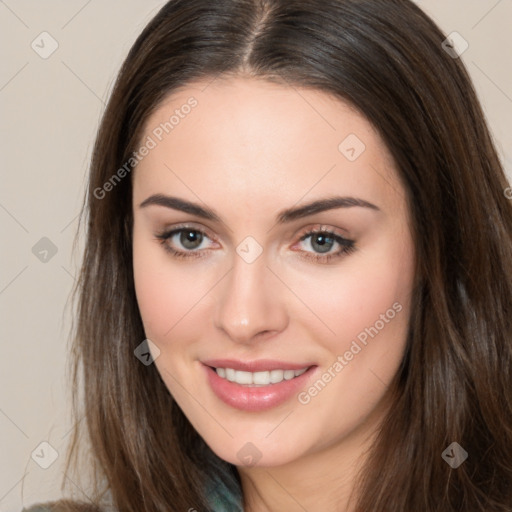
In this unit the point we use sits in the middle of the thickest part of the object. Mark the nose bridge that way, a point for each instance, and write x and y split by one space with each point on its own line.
249 303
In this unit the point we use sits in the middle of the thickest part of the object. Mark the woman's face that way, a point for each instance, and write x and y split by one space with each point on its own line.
301 304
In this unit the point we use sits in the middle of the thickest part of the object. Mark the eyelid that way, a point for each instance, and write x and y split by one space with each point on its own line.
302 233
342 233
193 227
165 235
346 244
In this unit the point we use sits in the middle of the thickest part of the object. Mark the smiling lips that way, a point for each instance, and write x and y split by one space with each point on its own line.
255 386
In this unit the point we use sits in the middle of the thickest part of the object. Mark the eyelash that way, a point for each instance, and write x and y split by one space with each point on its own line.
347 246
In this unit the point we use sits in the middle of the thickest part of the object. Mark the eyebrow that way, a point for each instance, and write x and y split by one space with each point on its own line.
283 217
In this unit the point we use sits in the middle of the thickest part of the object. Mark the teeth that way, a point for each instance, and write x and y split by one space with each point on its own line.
276 376
289 374
243 377
261 378
258 378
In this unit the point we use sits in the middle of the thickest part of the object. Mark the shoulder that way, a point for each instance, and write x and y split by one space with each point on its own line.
223 499
62 506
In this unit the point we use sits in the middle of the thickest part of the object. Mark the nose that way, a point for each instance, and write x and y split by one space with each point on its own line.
249 304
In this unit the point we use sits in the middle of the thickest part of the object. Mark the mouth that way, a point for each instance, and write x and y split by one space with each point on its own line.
256 386
258 379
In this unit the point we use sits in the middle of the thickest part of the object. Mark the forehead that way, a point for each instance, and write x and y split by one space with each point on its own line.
259 138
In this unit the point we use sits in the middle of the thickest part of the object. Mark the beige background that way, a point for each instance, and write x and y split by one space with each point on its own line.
50 109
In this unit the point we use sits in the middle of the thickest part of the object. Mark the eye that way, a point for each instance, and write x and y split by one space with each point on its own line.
187 242
322 241
184 242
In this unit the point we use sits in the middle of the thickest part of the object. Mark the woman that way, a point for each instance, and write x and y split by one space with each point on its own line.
297 283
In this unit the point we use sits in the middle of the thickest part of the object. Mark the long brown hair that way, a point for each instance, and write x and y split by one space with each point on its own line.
386 58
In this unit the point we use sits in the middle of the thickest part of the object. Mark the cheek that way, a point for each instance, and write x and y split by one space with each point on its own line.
174 297
366 292
378 298
163 293
368 308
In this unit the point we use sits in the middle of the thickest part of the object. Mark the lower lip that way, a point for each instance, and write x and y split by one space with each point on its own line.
258 398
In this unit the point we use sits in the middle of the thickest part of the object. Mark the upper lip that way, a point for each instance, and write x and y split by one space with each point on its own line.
260 365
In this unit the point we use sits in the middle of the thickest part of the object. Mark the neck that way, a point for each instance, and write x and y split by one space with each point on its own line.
323 479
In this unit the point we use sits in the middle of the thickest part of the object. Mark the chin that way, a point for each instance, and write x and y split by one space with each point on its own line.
255 451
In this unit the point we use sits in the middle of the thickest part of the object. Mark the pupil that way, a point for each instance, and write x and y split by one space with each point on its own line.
323 242
189 238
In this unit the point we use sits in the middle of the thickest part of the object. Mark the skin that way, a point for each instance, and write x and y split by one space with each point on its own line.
248 150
